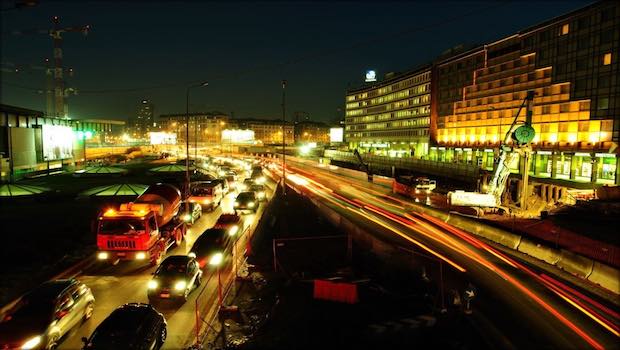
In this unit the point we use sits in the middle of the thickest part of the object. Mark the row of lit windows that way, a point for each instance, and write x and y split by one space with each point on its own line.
393 87
424 110
388 133
396 105
409 123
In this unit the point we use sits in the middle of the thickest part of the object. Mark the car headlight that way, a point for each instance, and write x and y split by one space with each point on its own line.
140 255
31 343
152 284
417 191
261 194
192 255
181 285
236 204
261 179
102 255
250 204
216 259
233 230
187 217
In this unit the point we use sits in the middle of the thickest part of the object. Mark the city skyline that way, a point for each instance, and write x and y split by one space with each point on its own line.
248 88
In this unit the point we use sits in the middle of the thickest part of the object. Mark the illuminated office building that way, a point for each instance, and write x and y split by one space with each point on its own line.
269 132
571 62
391 117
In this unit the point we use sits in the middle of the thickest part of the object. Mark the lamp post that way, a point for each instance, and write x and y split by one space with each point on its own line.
283 137
187 141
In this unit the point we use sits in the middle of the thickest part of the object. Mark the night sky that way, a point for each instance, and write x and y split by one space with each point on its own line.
244 50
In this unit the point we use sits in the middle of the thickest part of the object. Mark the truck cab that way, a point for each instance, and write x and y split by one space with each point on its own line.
126 235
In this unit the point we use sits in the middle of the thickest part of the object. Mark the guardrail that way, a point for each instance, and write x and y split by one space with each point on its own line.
206 314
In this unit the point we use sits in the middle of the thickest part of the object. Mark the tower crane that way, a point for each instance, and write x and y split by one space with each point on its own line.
56 32
10 67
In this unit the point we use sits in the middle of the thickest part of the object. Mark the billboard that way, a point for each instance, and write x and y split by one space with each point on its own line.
336 134
57 142
163 138
238 136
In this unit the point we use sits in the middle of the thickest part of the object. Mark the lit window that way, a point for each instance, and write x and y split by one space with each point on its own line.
607 59
564 30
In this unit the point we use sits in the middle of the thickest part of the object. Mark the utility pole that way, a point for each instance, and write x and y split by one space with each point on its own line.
284 137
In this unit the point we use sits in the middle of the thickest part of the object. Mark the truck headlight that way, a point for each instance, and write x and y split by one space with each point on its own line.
250 204
181 285
152 284
140 255
31 343
102 255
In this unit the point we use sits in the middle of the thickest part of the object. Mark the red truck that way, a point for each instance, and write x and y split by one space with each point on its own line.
144 229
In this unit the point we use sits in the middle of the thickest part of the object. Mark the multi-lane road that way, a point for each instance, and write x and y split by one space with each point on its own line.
516 305
127 282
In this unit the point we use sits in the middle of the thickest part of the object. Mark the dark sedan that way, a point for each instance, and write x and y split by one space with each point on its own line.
42 317
175 278
210 243
132 326
246 201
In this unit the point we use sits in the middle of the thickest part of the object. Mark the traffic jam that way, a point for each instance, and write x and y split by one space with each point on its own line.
145 233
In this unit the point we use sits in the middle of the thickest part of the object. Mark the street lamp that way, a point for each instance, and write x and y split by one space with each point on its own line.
187 141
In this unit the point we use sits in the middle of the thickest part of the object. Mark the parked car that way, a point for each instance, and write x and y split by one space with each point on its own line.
175 278
246 201
210 243
195 212
42 317
132 326
260 190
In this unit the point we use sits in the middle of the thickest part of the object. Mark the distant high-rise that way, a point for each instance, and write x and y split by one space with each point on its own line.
143 122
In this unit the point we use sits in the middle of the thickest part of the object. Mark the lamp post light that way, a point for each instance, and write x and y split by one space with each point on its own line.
187 141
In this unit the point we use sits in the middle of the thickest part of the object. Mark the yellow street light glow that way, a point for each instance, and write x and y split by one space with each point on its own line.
216 259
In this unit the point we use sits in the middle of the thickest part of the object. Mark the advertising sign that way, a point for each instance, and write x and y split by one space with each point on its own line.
57 142
163 138
336 135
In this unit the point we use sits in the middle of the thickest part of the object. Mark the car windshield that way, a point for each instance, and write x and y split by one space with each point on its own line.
171 269
245 196
202 191
33 307
120 227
